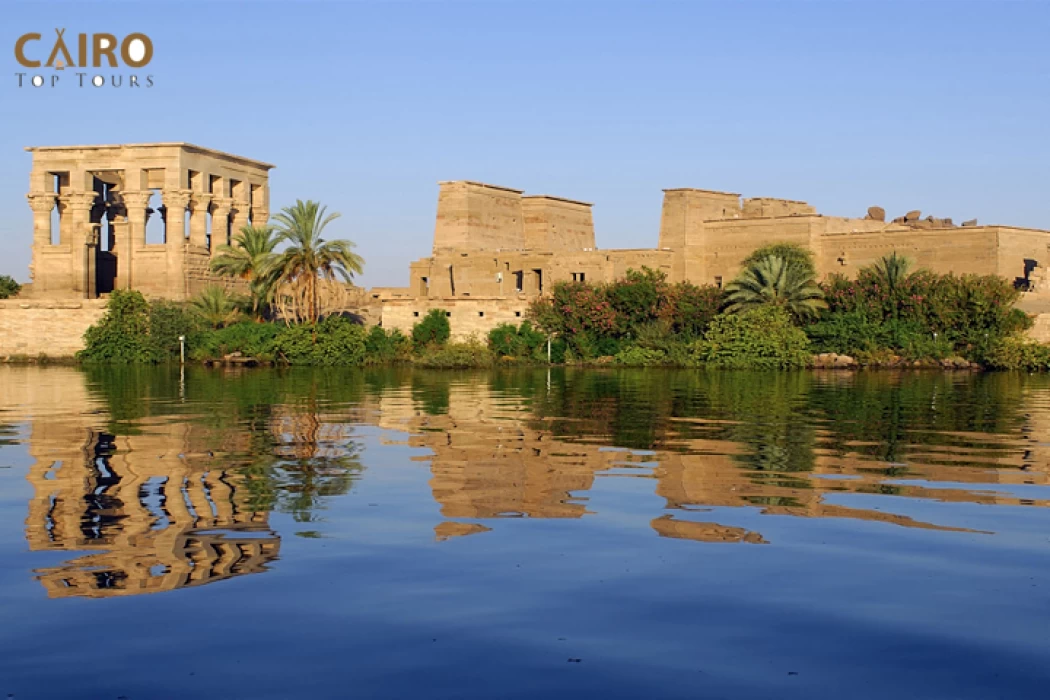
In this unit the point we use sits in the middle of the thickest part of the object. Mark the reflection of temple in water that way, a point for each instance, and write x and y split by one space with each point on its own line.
154 514
491 458
155 509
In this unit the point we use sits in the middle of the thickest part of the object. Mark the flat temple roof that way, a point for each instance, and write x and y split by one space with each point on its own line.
480 184
559 199
694 189
177 144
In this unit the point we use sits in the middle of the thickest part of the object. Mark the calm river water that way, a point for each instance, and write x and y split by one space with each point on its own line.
607 534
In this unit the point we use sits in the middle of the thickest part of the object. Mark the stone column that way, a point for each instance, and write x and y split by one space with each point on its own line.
260 216
199 220
175 203
136 203
42 204
82 242
220 223
240 216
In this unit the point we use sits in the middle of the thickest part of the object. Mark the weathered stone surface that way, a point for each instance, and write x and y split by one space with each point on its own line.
104 196
876 214
830 360
913 215
33 328
970 222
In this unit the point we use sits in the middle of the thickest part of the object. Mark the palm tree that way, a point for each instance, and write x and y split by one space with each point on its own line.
892 271
215 307
247 259
308 255
775 281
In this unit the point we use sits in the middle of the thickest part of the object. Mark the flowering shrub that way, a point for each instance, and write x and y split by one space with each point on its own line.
597 320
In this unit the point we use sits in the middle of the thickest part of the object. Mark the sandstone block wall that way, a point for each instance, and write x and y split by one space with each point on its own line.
467 317
1020 251
52 328
769 206
476 216
556 224
959 250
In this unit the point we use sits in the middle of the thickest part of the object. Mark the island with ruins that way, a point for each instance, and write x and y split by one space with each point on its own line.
495 248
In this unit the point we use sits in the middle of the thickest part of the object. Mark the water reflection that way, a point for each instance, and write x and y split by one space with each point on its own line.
167 486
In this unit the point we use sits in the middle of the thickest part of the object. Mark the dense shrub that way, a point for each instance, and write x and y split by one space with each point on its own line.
968 313
250 339
168 321
333 341
9 287
465 355
635 356
600 320
433 329
1017 352
381 346
524 341
122 335
763 338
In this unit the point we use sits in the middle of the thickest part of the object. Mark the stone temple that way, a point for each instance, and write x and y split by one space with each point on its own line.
495 248
94 205
151 216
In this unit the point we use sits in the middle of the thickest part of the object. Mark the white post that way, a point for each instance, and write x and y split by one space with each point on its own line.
548 349
182 349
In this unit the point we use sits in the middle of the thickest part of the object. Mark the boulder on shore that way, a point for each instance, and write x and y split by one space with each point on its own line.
831 360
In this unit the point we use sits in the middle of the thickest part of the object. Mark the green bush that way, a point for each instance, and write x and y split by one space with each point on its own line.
9 287
433 329
248 338
381 346
524 341
634 356
466 355
333 341
968 313
168 321
597 320
763 338
1018 352
122 334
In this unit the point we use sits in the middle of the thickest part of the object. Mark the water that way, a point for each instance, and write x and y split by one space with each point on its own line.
610 534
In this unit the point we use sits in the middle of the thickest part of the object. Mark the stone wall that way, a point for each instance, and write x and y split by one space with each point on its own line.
42 327
476 216
556 224
959 250
467 317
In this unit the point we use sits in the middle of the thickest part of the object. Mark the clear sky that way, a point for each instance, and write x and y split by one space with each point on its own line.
938 106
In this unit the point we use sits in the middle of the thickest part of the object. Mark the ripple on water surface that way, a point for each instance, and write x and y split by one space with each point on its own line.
387 533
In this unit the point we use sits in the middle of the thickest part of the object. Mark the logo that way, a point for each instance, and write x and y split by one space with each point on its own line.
89 52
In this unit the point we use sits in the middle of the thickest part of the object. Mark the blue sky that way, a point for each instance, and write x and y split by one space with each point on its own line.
938 106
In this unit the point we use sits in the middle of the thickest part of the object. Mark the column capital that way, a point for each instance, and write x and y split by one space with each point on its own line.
136 199
176 199
42 202
82 201
201 200
221 204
